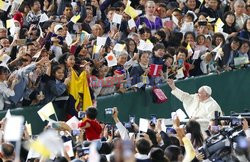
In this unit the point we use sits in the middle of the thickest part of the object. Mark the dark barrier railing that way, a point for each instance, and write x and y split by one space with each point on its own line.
230 89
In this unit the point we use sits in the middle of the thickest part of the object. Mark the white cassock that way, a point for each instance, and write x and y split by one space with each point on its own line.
195 108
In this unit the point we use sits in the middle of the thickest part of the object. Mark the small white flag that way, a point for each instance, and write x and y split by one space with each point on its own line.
163 126
187 27
18 1
175 20
111 59
101 41
32 154
4 58
145 46
196 55
73 123
44 18
119 47
117 18
68 39
143 125
216 49
13 128
4 6
180 73
218 54
131 24
46 111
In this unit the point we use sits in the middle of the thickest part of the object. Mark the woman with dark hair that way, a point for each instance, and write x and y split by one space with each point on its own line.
56 84
194 128
131 48
68 60
191 5
230 52
158 53
189 37
145 33
217 39
6 90
229 20
245 33
213 9
49 7
175 39
140 69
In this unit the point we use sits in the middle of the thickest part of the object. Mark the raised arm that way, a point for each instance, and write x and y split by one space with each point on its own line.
181 95
122 130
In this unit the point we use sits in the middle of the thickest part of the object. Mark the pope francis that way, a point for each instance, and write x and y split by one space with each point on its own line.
199 105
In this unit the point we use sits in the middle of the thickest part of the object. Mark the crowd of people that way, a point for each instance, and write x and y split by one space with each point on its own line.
94 141
121 45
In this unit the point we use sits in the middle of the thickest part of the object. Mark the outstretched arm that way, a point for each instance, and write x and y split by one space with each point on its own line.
184 97
171 84
181 95
122 130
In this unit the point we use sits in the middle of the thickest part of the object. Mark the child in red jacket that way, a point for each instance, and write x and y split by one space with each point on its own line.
92 127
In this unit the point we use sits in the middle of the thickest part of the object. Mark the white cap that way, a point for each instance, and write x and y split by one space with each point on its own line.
206 89
57 27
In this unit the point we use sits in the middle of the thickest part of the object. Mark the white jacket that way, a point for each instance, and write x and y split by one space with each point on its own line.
194 108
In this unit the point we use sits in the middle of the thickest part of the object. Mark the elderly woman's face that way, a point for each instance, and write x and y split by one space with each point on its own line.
122 59
239 8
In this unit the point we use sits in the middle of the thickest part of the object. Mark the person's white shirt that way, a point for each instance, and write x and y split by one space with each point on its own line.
123 131
5 92
196 108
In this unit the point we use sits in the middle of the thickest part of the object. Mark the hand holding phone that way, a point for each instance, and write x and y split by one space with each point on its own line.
108 111
131 119
81 114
